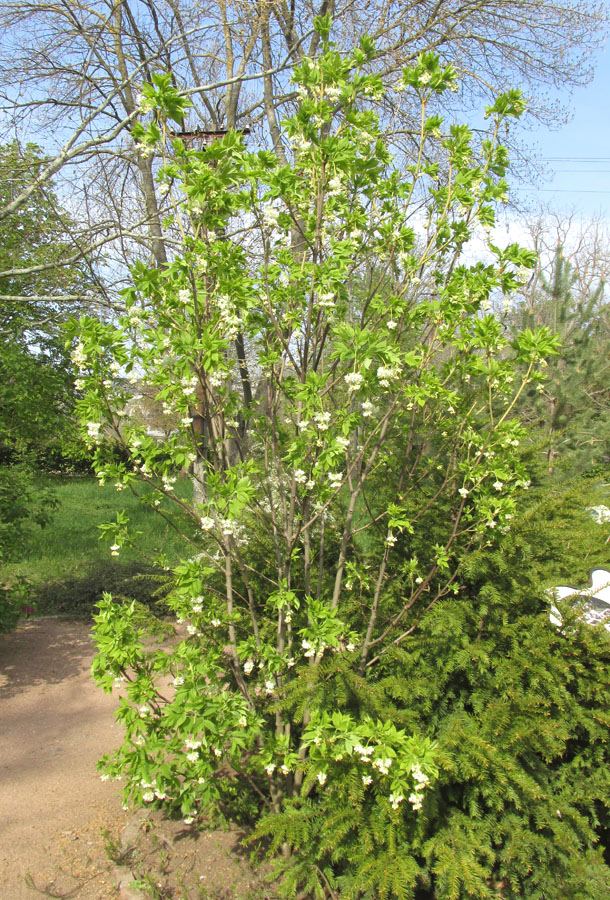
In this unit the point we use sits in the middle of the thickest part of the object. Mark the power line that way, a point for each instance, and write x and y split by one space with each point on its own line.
564 190
596 159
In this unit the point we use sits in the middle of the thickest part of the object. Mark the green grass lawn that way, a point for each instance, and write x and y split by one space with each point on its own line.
67 564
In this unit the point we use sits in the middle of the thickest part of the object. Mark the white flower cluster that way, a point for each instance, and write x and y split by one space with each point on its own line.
367 409
421 783
229 320
215 379
93 430
327 300
335 479
382 764
395 800
271 216
322 420
300 143
354 381
364 753
78 356
386 374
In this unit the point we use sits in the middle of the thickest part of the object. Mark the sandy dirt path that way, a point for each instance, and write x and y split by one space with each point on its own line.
54 725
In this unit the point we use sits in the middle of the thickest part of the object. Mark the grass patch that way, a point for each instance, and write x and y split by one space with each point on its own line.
67 565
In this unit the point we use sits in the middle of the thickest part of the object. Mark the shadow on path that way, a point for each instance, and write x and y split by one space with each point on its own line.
54 650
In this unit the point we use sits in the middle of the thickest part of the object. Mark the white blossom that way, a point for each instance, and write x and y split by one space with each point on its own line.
419 776
248 666
321 776
335 479
148 796
396 799
386 374
322 420
271 216
354 381
78 356
416 800
326 300
206 523
300 143
383 765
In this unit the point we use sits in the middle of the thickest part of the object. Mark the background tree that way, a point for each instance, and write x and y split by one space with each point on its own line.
37 393
36 381
568 294
76 70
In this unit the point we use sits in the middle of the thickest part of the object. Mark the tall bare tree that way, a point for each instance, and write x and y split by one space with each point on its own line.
71 73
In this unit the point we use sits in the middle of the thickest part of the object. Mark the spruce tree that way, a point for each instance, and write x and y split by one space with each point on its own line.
572 409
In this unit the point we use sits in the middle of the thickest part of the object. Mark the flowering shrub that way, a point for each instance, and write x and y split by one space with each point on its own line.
344 404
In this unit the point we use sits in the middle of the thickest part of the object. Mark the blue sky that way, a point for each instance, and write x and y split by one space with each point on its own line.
577 155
